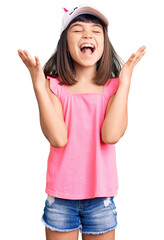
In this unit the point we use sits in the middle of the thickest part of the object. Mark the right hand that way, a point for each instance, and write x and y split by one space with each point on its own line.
35 69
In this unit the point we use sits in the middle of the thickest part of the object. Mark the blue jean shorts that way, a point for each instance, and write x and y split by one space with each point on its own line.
93 216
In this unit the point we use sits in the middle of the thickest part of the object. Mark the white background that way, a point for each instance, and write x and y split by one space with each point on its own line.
35 26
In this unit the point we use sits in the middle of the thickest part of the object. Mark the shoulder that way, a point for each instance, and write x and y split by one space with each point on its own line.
54 97
51 87
111 87
56 88
53 81
112 82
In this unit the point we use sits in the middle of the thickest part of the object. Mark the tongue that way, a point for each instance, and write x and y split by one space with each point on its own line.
86 50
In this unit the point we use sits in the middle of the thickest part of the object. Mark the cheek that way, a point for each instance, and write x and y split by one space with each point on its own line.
73 51
72 47
70 43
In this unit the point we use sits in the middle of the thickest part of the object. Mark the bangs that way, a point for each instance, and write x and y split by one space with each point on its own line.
87 18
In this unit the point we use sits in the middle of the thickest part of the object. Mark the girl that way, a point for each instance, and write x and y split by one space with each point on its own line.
82 94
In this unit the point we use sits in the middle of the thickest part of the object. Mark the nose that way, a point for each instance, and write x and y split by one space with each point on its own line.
87 34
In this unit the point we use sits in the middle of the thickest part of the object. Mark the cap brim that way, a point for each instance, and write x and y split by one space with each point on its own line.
88 10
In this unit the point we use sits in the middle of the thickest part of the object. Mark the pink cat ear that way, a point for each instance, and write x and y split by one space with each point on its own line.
65 10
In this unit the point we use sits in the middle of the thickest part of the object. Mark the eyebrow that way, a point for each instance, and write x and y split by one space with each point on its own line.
78 24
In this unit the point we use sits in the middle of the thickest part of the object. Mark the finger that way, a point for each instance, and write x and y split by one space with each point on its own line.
130 60
135 57
29 58
140 51
23 57
141 48
138 56
37 62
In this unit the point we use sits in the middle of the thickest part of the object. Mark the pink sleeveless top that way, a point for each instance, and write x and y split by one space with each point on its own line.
86 166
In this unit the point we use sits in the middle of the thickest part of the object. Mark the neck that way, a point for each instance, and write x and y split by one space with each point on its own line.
85 74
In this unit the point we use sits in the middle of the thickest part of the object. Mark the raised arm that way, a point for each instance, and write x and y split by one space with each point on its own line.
50 109
116 118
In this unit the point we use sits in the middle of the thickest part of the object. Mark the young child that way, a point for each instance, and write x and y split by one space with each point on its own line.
82 94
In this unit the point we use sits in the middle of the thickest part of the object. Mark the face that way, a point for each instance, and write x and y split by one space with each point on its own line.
85 42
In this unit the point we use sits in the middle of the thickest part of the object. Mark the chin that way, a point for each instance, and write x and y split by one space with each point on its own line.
87 62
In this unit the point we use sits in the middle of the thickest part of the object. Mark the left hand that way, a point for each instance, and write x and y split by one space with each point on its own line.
127 69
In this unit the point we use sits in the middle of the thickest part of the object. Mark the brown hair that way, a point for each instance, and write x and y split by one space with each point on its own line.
61 65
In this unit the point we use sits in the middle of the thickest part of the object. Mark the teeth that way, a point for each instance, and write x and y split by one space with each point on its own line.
87 45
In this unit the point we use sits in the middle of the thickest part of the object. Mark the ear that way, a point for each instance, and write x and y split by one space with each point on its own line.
65 10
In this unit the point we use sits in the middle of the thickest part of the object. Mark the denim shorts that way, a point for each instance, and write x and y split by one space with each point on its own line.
94 215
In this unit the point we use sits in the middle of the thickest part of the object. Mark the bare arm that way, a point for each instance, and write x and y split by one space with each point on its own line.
51 119
50 109
116 119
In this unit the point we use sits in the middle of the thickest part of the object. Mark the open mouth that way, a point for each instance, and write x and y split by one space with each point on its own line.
87 49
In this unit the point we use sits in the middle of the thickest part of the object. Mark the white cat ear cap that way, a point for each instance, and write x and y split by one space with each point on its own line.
69 15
